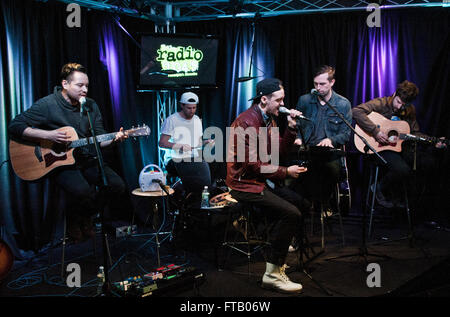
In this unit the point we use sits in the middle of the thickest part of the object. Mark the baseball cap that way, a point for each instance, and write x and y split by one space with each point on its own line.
189 98
266 87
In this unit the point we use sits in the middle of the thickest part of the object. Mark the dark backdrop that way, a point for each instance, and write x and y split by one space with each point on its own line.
35 43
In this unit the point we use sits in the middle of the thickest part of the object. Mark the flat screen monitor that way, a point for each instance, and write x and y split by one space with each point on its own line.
178 61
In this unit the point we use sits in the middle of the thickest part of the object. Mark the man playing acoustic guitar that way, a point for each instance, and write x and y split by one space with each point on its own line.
42 122
399 164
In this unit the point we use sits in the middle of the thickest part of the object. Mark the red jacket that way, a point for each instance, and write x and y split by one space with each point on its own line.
247 176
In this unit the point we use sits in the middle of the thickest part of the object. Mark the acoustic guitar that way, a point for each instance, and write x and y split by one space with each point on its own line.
32 160
397 131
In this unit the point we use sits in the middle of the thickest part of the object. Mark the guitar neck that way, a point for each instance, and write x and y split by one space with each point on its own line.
90 140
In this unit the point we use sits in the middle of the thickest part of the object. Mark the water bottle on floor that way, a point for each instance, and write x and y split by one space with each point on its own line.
101 279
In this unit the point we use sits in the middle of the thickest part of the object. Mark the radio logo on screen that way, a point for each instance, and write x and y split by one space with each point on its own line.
183 61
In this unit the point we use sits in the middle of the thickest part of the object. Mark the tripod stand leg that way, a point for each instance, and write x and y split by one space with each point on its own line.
374 181
63 246
157 249
302 268
363 251
322 227
408 214
302 265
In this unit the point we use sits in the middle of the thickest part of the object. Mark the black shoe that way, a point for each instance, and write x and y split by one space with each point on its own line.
399 204
328 212
73 229
87 228
381 199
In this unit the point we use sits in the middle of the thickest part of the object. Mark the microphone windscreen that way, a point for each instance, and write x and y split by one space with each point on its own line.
314 92
82 100
284 110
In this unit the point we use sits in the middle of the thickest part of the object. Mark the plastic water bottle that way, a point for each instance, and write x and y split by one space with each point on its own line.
205 197
101 280
98 223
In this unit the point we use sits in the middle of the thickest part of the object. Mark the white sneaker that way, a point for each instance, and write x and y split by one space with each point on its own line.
276 278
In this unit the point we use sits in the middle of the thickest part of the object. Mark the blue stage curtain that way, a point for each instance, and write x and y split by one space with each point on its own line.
35 43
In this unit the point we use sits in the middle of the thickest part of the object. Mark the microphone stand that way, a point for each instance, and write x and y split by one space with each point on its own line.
363 251
106 289
383 161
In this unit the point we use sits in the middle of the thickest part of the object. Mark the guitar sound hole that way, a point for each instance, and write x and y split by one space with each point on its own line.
59 148
393 133
393 137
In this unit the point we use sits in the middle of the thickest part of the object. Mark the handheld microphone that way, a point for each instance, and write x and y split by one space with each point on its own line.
315 92
82 101
284 110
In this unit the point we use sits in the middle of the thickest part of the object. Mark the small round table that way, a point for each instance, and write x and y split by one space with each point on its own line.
157 193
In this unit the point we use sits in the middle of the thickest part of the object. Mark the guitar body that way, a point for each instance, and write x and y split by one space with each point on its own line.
6 259
32 161
391 128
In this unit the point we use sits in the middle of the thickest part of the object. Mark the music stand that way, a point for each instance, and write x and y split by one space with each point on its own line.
363 251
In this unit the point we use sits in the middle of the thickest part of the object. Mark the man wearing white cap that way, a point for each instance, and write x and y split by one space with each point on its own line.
182 133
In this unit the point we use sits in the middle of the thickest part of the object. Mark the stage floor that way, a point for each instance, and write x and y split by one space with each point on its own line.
417 270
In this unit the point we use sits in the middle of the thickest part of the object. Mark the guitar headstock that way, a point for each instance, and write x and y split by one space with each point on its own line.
138 131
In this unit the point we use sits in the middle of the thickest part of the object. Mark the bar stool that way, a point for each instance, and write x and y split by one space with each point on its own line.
324 217
371 194
244 227
62 213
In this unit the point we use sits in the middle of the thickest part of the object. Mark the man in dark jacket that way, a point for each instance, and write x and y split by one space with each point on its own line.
326 130
41 122
398 171
253 138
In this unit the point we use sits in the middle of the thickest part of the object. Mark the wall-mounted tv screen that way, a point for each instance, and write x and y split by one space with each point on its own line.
177 61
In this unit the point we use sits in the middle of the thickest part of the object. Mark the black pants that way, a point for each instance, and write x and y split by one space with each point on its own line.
320 180
80 181
398 172
284 218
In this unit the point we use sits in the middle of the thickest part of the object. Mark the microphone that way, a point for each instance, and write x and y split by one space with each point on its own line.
416 137
82 101
284 110
315 92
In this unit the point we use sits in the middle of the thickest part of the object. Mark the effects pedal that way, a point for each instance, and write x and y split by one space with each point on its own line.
163 280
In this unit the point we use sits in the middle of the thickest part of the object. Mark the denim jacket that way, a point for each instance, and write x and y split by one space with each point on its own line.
335 129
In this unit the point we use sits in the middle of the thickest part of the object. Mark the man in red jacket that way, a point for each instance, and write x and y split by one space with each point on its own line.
254 137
